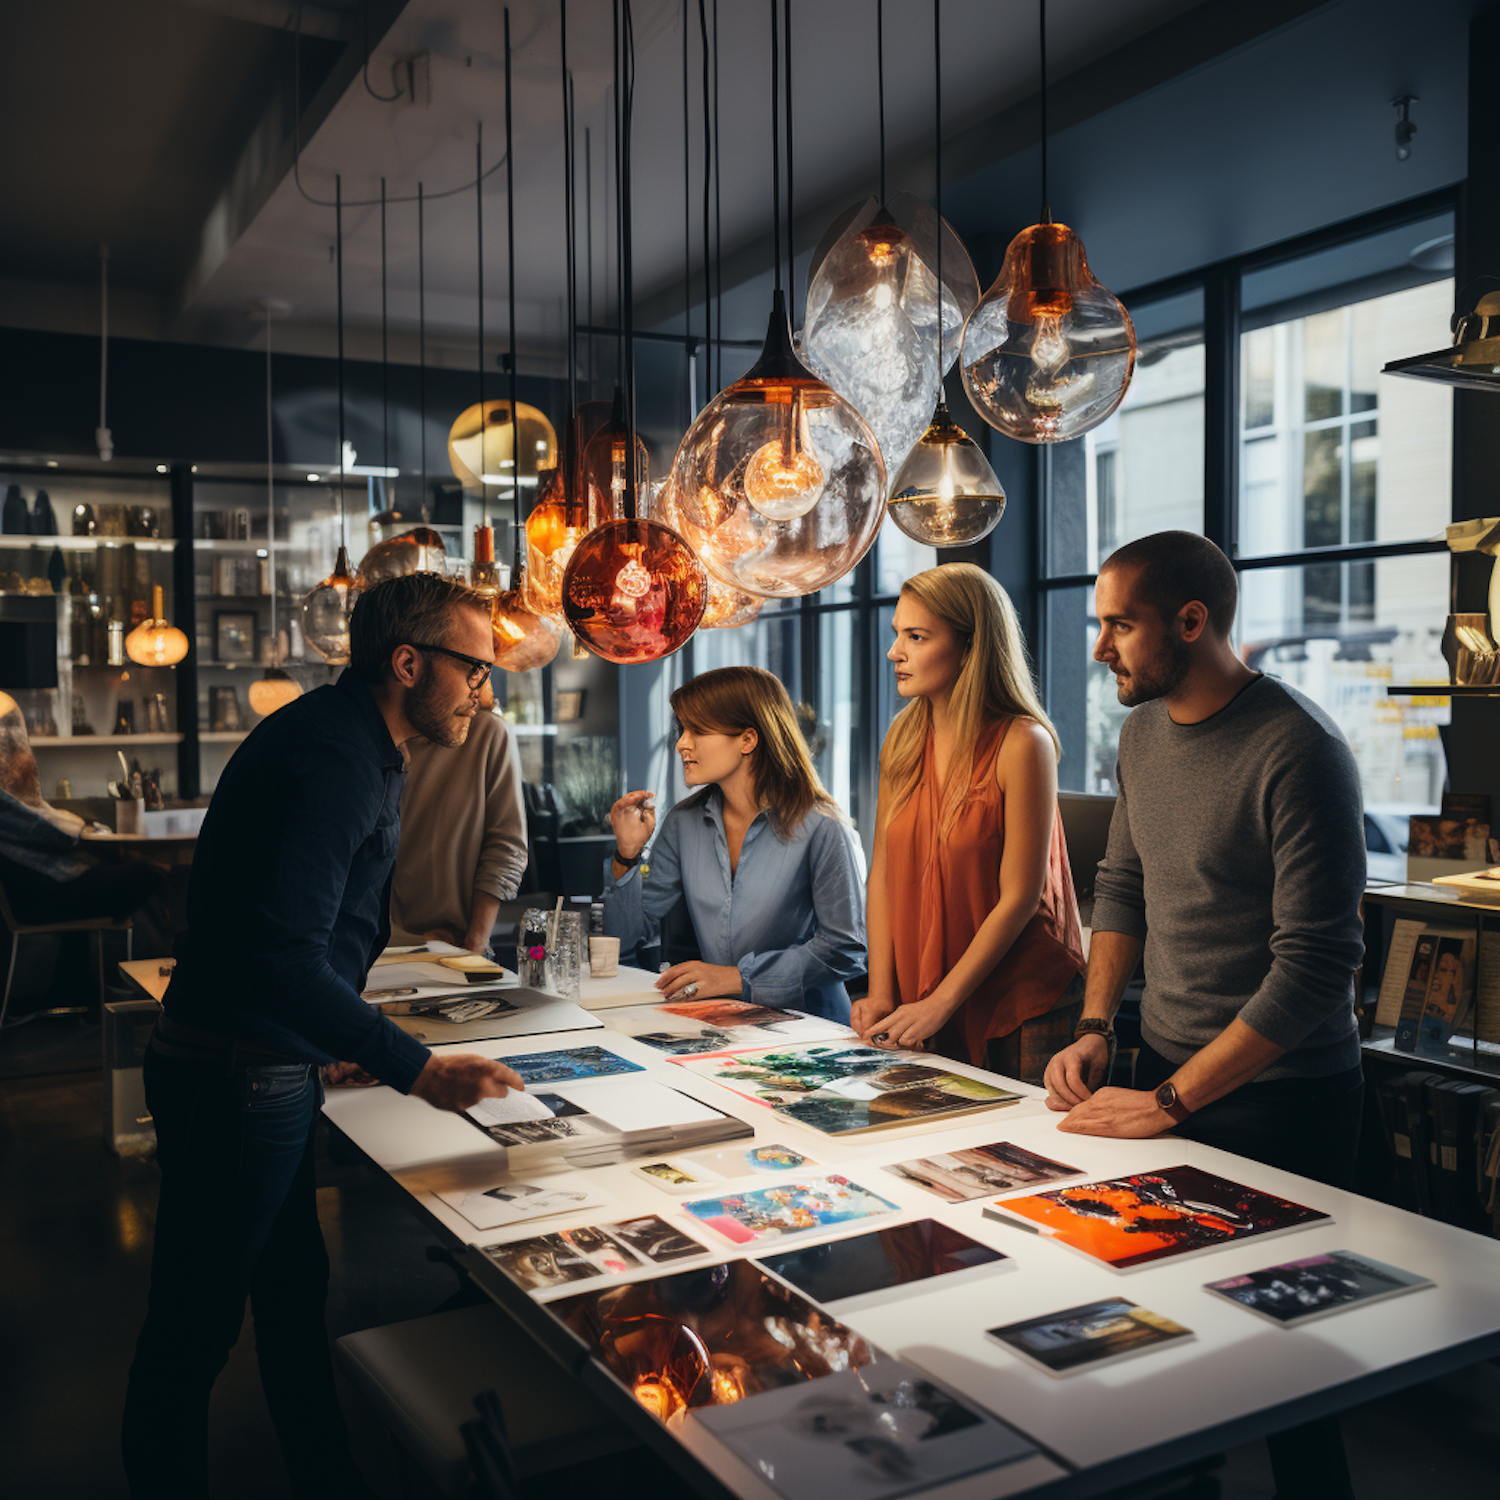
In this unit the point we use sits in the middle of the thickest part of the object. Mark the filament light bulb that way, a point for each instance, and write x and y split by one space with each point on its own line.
784 480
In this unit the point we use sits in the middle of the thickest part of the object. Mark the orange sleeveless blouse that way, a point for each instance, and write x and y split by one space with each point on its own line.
940 890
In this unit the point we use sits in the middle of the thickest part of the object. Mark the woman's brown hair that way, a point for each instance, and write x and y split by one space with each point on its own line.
734 699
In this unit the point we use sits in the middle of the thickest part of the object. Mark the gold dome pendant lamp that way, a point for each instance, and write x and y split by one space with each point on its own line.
633 590
945 494
779 482
1049 352
156 642
524 639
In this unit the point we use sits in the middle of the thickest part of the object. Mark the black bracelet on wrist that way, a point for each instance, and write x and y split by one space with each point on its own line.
629 864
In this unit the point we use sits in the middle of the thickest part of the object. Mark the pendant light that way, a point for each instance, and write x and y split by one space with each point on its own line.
275 688
602 469
524 640
876 307
945 494
1048 353
156 642
725 607
780 482
633 591
326 609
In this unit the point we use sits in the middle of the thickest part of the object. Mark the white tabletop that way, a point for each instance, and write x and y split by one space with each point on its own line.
1237 1366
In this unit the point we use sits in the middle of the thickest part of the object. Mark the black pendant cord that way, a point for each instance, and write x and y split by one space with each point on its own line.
1042 29
718 220
687 198
588 254
619 215
570 455
791 197
880 86
708 320
627 278
422 345
776 143
937 108
573 360
385 359
510 292
479 247
338 236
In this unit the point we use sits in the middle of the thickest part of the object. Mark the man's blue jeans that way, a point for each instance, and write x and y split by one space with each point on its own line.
237 1219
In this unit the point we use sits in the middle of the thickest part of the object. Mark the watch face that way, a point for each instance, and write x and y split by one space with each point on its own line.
1166 1096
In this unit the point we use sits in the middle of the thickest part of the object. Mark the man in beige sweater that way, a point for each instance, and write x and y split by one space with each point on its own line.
463 836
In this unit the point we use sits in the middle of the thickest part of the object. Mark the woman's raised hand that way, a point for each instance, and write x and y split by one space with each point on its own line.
633 819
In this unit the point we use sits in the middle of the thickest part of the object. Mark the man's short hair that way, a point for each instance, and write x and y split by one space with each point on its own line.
415 609
1174 568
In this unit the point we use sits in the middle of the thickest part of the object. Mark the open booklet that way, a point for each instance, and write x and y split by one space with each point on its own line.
601 1120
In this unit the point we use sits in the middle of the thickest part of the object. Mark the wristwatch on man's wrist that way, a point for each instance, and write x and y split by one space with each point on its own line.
1168 1101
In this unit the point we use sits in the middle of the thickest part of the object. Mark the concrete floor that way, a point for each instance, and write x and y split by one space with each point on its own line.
75 1241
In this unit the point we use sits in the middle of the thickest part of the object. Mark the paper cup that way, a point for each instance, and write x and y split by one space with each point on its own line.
604 956
128 815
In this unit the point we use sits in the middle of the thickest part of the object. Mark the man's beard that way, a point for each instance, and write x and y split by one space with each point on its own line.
1160 677
432 720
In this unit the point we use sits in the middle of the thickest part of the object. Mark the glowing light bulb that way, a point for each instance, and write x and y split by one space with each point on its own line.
783 479
946 494
632 583
156 642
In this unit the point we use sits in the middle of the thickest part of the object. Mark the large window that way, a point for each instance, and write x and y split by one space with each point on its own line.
1325 493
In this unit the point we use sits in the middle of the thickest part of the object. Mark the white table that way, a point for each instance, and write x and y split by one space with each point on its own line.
1240 1378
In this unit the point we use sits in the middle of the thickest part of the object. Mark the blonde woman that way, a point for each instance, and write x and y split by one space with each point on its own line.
973 921
769 868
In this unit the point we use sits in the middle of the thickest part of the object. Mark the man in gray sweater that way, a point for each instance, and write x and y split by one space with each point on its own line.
1236 861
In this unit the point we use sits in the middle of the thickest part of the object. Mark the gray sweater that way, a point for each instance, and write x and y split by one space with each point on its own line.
1237 853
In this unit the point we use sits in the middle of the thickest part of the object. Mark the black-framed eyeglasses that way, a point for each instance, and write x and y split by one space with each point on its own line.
479 669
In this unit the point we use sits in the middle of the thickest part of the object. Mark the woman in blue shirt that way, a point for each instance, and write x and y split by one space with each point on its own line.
771 870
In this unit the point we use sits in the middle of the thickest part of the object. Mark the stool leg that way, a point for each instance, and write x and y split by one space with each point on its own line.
10 974
99 956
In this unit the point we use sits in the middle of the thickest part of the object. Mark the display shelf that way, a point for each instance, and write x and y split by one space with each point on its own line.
1423 893
1441 690
234 544
1476 1059
221 736
88 543
103 741
531 729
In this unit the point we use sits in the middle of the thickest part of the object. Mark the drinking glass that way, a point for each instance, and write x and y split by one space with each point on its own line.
565 956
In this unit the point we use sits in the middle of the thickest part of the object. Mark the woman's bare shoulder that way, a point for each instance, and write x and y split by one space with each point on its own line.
1025 746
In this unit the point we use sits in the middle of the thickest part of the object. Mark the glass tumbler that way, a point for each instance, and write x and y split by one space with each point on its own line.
565 956
531 949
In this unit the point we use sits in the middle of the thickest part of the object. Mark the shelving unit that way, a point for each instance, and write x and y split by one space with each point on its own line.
104 741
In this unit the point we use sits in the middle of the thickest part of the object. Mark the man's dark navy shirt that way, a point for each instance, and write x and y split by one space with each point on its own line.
289 895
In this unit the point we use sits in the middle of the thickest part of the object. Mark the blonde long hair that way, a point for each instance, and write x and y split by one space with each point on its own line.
731 700
994 683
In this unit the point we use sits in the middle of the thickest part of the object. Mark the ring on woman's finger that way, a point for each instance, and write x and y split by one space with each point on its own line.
688 991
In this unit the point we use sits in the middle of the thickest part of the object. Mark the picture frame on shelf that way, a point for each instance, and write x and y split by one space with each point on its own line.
570 705
234 636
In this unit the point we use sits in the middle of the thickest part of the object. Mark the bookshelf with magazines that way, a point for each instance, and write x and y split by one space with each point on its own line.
1430 1025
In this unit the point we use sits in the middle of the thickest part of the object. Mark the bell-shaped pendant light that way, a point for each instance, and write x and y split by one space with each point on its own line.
871 327
326 610
1048 353
603 469
419 550
273 689
156 642
480 443
553 530
633 591
946 494
484 572
780 483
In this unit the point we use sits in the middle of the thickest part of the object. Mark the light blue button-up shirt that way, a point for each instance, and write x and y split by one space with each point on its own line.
791 918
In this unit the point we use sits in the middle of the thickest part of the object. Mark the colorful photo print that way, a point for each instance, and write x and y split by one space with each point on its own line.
724 1013
1130 1221
1088 1336
684 1044
980 1171
879 1260
775 1158
545 1261
569 1065
841 1089
788 1208
712 1335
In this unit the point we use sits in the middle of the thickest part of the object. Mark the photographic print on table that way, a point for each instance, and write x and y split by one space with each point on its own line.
708 1336
1131 1221
880 1259
958 1176
544 1261
843 1090
1299 1291
569 1065
1086 1337
676 1176
866 1434
513 1202
788 1208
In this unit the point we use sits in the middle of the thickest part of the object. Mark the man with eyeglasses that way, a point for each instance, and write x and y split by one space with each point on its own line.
286 910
